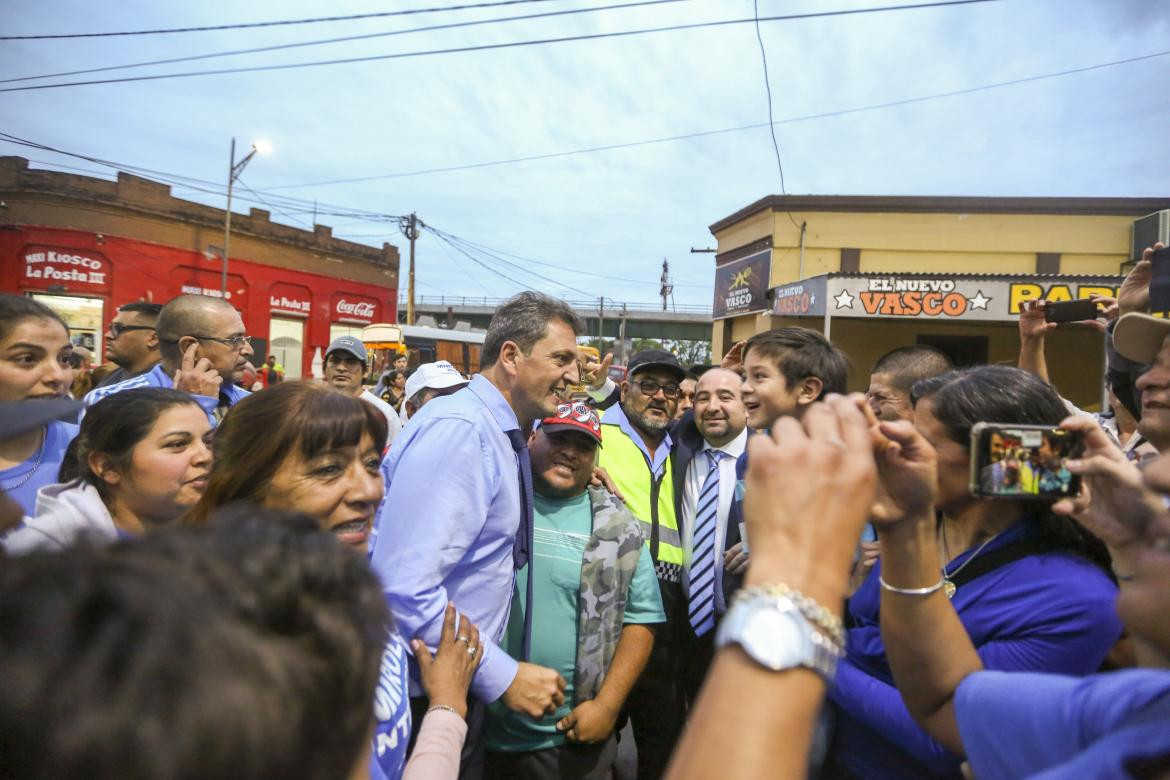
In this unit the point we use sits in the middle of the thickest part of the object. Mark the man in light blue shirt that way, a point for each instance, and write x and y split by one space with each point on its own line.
202 342
454 503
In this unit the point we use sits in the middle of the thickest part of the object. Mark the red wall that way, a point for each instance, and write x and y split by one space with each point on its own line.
119 270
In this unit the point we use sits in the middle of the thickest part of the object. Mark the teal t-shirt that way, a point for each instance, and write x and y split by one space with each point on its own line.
561 531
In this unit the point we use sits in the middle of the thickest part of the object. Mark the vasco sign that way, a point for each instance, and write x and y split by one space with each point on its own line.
952 298
741 286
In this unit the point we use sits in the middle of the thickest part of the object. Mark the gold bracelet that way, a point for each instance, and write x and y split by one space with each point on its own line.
828 623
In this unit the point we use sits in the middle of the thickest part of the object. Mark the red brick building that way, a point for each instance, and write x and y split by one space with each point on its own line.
85 246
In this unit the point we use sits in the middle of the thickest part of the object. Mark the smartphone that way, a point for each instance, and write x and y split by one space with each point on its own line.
1024 462
1070 311
1160 281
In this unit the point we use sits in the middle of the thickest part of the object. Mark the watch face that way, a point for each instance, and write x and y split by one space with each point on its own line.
777 638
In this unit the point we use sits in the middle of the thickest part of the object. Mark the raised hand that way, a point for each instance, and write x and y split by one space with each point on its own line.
197 377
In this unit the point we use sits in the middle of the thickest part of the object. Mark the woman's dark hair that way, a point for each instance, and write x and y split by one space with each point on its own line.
249 649
113 427
280 573
262 430
17 308
1003 394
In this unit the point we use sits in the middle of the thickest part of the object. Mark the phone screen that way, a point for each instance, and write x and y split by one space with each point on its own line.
1160 281
1023 462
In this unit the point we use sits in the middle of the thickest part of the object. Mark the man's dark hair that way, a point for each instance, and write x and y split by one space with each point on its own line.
142 307
524 319
801 353
907 365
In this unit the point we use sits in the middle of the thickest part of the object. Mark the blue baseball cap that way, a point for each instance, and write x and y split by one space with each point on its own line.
350 344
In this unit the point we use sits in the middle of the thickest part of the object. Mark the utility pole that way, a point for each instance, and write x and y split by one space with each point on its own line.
667 289
409 227
601 323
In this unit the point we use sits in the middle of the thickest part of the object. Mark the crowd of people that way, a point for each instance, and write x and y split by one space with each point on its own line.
741 569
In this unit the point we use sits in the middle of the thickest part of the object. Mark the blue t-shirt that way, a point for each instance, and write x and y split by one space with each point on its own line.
1050 726
562 528
23 480
391 713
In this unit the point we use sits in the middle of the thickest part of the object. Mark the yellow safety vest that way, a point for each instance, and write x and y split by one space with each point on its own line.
649 498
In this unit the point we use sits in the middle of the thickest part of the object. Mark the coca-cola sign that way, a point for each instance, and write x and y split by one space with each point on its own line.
355 309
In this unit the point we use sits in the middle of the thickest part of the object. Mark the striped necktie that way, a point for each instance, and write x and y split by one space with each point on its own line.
701 603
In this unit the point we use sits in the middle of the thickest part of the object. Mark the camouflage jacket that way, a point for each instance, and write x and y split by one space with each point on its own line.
611 557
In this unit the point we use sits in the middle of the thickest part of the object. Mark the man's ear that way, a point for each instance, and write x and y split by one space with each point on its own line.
509 356
625 386
99 463
809 390
152 341
184 343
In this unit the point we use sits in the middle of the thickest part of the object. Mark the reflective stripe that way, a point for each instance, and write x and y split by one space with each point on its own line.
666 535
627 467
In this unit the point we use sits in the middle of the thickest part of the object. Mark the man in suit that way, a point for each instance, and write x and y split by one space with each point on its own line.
708 442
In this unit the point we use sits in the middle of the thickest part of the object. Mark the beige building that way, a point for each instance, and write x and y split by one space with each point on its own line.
876 273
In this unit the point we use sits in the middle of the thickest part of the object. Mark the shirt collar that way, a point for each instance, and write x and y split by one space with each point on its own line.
494 400
617 415
734 448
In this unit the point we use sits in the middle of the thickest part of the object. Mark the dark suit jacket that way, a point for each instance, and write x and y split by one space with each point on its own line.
688 442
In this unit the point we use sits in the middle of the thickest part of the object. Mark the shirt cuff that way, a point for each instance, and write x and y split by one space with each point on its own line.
496 672
603 392
206 402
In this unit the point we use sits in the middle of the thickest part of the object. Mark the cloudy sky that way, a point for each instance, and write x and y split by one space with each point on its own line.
600 222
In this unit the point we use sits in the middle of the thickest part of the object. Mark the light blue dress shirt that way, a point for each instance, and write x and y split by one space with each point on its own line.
446 529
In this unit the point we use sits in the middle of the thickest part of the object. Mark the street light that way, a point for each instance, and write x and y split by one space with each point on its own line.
234 171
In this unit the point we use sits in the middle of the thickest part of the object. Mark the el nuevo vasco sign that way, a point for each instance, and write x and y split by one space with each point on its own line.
937 297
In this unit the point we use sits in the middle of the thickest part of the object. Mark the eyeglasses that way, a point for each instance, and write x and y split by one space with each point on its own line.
235 343
117 329
649 387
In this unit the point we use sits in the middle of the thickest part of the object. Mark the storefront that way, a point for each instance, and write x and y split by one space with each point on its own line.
973 318
86 276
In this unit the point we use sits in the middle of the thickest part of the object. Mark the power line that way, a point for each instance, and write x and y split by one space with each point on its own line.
771 118
200 185
344 39
455 242
493 46
725 130
591 274
282 22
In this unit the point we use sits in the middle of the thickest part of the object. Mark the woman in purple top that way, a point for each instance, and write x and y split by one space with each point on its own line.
34 363
1046 606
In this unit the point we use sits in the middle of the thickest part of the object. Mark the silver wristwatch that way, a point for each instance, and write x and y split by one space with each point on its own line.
775 634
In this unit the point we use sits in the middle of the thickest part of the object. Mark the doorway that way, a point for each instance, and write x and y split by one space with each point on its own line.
84 318
286 340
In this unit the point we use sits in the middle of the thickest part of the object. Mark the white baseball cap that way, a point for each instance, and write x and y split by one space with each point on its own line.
433 376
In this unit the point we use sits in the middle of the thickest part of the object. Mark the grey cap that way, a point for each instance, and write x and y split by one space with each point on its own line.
350 344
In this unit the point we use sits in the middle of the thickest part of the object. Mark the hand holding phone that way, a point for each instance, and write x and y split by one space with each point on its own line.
1071 311
1160 280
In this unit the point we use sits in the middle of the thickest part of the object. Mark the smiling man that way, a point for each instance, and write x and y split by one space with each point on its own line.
456 523
345 364
594 600
715 553
637 458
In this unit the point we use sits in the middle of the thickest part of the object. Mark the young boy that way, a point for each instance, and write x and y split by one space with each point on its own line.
785 371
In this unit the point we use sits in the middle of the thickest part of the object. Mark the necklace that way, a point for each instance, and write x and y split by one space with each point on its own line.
37 465
950 587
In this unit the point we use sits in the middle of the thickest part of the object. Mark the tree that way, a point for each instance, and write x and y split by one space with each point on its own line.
689 353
